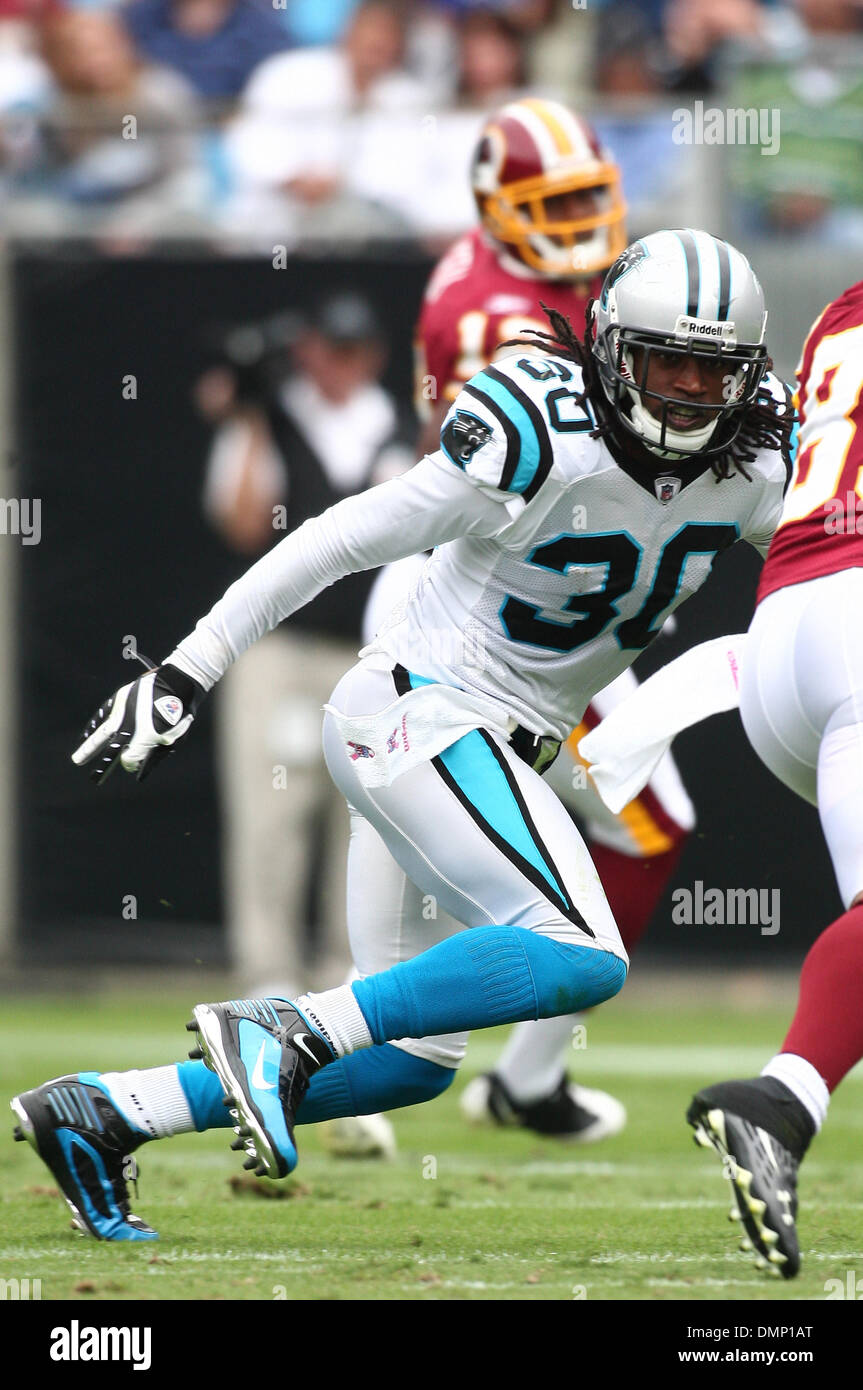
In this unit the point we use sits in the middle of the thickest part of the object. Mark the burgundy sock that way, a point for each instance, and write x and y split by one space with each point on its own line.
634 886
828 1026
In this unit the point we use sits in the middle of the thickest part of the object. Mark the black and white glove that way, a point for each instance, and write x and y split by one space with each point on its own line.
141 724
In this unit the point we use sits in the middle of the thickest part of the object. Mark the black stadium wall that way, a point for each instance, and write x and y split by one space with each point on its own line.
131 872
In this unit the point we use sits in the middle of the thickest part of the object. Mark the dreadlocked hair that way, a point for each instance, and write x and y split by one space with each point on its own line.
764 424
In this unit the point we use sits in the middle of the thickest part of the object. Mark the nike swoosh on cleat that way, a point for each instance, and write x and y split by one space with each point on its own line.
297 1039
258 1073
768 1146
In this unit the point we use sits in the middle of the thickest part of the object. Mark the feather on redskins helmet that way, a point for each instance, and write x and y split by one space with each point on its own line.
532 151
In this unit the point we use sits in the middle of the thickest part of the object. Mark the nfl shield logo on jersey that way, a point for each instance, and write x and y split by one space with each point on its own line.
666 487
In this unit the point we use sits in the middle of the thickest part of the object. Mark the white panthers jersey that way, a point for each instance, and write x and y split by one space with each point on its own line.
591 561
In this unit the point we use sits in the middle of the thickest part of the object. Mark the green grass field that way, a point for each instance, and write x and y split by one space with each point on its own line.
505 1216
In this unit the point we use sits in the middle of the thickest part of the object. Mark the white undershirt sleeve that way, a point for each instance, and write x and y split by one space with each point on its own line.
427 506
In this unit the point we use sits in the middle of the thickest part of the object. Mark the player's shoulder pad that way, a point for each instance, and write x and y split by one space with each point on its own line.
778 389
453 268
779 463
497 430
842 313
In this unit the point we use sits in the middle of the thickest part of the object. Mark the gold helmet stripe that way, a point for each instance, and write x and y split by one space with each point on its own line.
563 126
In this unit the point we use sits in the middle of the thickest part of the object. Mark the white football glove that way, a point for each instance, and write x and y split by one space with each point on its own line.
140 724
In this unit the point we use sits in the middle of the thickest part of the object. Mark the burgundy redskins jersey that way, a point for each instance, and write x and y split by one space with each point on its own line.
821 528
473 303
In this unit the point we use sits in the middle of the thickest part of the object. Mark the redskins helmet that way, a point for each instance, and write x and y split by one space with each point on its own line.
679 293
534 150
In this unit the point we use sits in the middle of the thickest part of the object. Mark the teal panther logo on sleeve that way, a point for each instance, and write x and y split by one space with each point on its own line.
463 435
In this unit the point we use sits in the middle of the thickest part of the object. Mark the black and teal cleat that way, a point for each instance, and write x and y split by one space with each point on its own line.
86 1142
264 1052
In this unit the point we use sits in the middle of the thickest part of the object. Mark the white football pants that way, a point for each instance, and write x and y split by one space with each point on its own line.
473 838
801 702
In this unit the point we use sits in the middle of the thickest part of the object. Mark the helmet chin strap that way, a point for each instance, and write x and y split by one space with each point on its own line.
649 428
564 258
675 443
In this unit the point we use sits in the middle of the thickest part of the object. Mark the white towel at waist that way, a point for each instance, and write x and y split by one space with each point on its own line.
415 727
624 750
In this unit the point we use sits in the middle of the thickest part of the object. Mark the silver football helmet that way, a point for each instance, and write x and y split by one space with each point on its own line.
681 292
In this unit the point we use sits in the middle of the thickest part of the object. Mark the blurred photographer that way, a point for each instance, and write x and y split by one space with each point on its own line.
304 423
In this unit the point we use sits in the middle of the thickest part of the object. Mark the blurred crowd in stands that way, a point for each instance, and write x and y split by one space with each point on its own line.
254 122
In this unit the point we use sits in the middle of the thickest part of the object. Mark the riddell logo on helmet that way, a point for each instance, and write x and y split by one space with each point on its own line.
687 327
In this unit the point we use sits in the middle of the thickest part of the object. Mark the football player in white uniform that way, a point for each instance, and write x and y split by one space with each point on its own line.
578 497
550 225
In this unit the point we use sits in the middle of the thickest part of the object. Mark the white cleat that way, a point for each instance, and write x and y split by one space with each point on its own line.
358 1136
